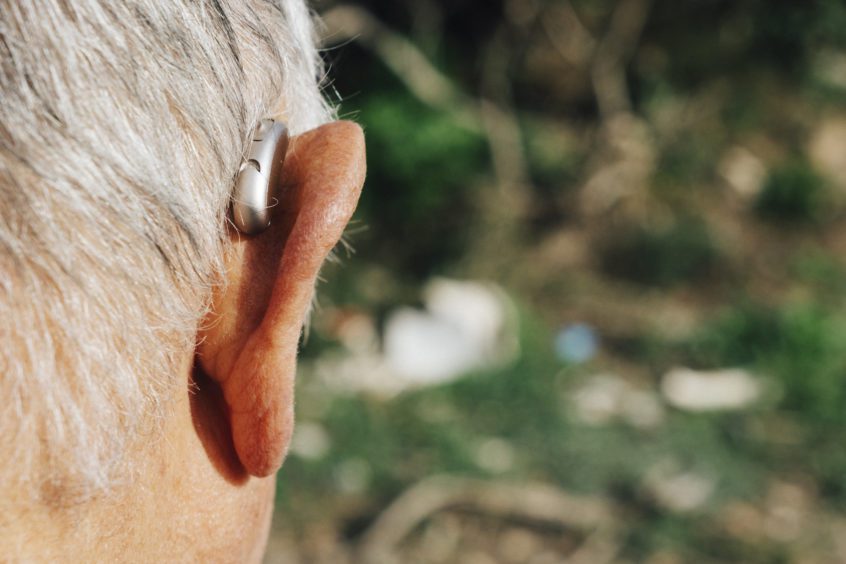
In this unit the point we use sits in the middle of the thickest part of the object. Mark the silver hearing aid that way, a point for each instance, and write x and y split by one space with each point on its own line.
258 179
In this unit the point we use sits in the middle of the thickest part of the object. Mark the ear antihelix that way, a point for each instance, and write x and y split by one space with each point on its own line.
324 175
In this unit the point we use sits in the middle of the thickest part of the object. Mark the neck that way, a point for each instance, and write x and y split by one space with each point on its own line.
184 486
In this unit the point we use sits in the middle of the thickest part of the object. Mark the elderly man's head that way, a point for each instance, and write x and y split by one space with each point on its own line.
148 349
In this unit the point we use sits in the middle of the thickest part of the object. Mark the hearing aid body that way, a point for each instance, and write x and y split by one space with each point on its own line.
258 179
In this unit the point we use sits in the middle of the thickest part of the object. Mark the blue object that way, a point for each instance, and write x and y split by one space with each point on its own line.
576 343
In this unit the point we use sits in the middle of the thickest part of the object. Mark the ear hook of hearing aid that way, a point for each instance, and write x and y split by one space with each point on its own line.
258 179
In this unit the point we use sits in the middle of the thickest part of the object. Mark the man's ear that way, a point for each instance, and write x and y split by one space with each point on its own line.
248 343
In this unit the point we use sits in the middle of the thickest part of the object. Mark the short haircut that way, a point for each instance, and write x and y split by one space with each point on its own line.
122 127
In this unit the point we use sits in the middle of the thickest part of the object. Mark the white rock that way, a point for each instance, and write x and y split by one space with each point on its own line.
605 398
693 390
466 326
475 308
310 441
678 491
495 455
357 332
826 150
743 172
353 476
598 401
642 409
425 349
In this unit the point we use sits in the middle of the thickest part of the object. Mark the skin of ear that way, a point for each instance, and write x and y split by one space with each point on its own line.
248 344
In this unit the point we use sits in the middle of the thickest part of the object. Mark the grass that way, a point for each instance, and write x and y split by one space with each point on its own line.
793 193
380 447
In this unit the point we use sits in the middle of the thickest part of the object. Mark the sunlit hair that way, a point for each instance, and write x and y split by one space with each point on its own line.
122 126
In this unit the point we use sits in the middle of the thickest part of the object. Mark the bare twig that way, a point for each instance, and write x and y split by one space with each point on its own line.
568 35
405 60
536 503
625 158
614 52
506 143
501 126
491 115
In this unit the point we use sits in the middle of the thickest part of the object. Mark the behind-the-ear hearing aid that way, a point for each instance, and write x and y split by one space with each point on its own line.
258 179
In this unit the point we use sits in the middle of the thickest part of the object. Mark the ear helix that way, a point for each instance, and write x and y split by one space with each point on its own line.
258 179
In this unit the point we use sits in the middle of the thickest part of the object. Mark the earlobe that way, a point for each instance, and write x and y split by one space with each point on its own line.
249 345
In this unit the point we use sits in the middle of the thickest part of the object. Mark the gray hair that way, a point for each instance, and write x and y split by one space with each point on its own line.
122 126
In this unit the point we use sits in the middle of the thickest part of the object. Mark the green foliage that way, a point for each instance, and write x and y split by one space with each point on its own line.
793 193
425 150
730 39
823 273
706 76
554 158
688 160
802 347
422 172
684 251
432 430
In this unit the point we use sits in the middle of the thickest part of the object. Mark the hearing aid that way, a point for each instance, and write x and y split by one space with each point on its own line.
257 183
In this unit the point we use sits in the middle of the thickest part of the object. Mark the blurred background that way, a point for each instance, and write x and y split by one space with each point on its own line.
593 305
